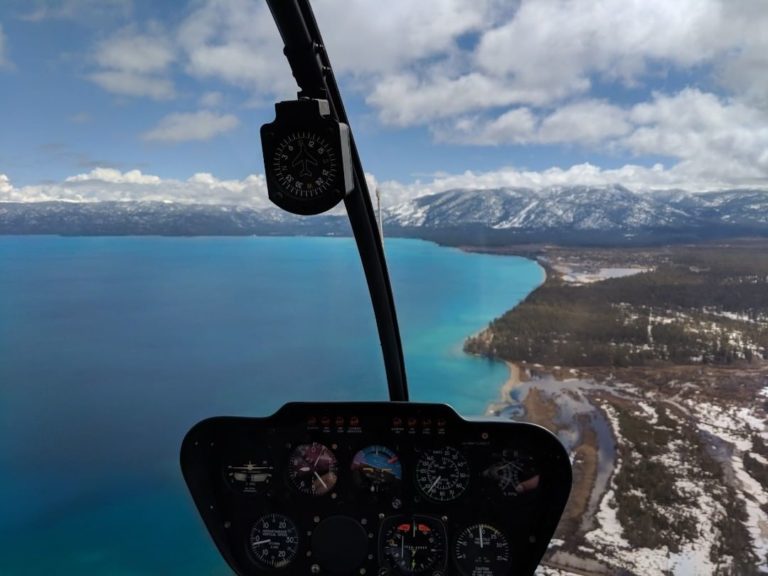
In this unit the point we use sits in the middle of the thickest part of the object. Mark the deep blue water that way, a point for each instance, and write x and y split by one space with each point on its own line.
111 348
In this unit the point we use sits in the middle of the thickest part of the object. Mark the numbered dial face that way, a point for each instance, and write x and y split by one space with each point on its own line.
415 545
274 541
442 474
305 165
312 469
482 550
515 473
251 476
377 469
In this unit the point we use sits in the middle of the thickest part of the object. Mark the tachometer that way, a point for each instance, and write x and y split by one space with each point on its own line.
274 541
376 469
442 474
482 550
414 544
312 469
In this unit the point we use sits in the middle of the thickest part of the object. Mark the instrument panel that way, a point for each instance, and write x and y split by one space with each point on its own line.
376 488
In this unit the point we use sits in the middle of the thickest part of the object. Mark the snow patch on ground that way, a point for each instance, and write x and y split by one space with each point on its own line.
736 426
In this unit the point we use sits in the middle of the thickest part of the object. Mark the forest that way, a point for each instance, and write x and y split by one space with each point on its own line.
695 304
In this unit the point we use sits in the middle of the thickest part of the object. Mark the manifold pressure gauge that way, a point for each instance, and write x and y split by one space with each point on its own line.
307 157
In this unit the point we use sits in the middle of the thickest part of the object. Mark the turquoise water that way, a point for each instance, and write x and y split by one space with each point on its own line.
111 348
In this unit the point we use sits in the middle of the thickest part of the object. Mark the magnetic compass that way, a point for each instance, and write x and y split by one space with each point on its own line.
307 157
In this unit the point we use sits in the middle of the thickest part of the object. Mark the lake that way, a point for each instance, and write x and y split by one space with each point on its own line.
111 348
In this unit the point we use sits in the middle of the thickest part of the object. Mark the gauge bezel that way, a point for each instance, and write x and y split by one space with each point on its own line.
258 561
438 563
368 484
332 468
467 530
445 457
310 119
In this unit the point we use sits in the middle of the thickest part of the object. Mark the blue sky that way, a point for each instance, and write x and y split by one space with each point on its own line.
134 99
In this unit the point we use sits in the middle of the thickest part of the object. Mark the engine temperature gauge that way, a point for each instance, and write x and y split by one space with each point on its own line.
482 550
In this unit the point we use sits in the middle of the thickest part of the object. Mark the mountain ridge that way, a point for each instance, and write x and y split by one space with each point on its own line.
564 214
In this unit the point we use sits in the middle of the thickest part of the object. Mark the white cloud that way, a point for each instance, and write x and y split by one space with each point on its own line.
132 84
710 136
588 122
211 99
135 52
548 55
235 41
5 62
183 127
135 64
112 176
42 10
5 184
106 184
706 136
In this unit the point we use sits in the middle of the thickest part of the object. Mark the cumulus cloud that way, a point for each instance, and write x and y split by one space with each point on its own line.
106 184
133 63
235 41
184 127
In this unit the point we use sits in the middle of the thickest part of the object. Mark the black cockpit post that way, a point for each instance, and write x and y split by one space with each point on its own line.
312 70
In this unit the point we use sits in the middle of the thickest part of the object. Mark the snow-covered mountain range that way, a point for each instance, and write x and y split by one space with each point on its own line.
581 208
566 214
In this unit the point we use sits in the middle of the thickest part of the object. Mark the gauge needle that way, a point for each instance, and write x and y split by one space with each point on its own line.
402 546
321 480
260 542
429 491
481 537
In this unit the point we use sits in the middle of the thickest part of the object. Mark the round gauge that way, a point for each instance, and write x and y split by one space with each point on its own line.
515 473
274 541
482 550
312 469
305 164
442 474
414 545
377 469
249 477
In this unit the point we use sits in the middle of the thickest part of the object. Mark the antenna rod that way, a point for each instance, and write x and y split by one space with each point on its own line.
378 210
312 70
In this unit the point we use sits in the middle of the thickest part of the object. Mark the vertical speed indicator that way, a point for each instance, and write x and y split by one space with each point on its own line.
274 541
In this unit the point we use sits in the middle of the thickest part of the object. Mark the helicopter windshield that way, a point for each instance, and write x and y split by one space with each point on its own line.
572 199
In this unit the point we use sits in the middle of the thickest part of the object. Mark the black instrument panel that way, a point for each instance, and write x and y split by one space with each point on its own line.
376 488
